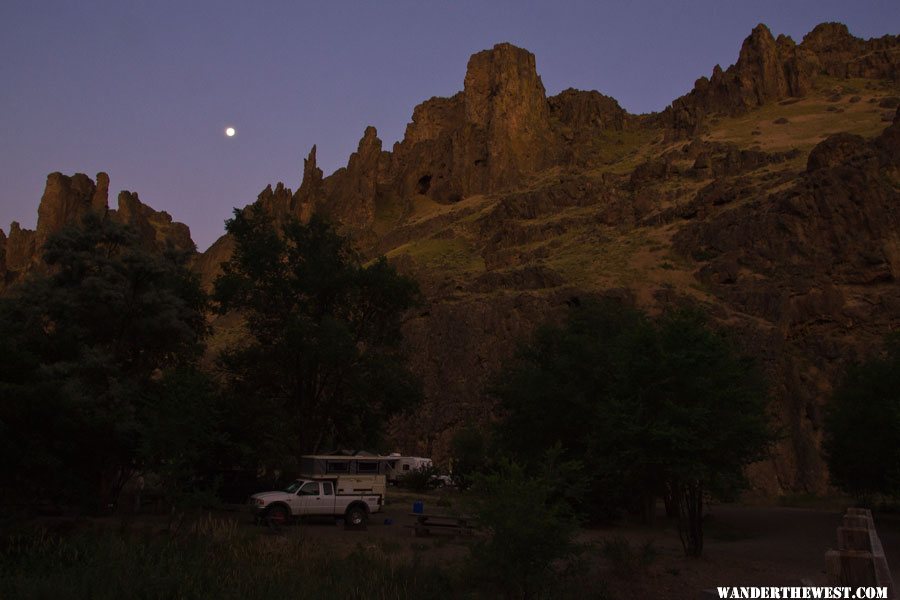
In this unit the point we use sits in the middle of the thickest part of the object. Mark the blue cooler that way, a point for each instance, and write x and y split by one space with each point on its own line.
418 507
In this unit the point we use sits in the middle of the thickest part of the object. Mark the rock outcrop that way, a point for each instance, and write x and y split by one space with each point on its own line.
835 52
820 263
20 248
770 69
505 100
156 229
508 206
487 138
65 201
278 204
312 189
767 69
587 111
2 258
351 193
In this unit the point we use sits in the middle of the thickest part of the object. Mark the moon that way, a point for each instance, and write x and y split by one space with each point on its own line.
229 131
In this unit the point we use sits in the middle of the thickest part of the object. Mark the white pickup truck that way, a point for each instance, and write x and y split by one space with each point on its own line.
352 497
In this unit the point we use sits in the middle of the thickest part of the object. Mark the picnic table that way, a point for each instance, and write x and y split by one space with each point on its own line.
426 524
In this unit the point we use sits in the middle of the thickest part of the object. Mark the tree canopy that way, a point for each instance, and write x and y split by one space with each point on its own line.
86 346
862 426
663 407
321 365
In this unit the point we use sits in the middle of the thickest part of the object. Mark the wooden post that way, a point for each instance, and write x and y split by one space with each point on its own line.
859 560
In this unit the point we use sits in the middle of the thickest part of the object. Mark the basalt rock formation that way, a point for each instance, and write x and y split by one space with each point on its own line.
492 136
835 52
768 196
819 264
66 200
774 69
521 245
157 230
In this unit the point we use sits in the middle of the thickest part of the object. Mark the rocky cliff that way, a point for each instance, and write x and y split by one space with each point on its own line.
65 201
770 69
767 195
494 135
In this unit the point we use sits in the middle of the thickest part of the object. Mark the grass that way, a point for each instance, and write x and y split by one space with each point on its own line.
217 558
809 119
584 258
627 560
622 150
214 560
389 212
454 255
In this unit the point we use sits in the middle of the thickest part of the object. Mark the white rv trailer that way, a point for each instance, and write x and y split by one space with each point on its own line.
392 466
401 465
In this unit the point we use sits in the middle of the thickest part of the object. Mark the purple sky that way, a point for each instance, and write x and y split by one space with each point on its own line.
144 89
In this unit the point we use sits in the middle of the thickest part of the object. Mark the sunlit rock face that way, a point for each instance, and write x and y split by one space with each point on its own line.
65 201
509 206
793 249
773 69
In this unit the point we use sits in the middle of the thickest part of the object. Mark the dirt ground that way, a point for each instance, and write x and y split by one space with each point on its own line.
744 545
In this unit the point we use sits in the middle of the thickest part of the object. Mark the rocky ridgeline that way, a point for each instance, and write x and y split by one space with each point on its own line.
500 130
771 69
803 261
65 202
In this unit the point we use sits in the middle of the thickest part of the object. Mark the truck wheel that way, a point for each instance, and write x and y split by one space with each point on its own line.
355 518
277 515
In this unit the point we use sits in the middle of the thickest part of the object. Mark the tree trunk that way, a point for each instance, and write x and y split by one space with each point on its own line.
670 498
690 516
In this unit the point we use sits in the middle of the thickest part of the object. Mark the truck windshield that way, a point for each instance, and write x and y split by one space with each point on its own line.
293 487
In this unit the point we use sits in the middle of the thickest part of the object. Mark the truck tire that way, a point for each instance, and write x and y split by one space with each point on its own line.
278 515
355 518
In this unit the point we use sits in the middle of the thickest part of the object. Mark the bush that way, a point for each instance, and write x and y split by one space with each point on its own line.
530 528
419 480
469 454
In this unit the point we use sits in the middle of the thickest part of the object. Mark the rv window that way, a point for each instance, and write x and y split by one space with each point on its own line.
406 467
336 467
367 467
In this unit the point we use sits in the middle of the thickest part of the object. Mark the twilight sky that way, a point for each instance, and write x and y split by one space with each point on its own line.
145 89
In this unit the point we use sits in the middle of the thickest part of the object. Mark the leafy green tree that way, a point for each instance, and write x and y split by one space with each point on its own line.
652 407
530 526
86 342
712 420
468 451
862 426
182 439
321 365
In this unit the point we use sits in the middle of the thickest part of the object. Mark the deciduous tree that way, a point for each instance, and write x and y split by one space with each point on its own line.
862 427
650 406
321 365
84 344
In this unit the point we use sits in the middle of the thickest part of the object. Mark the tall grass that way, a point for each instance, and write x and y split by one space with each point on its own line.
212 560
